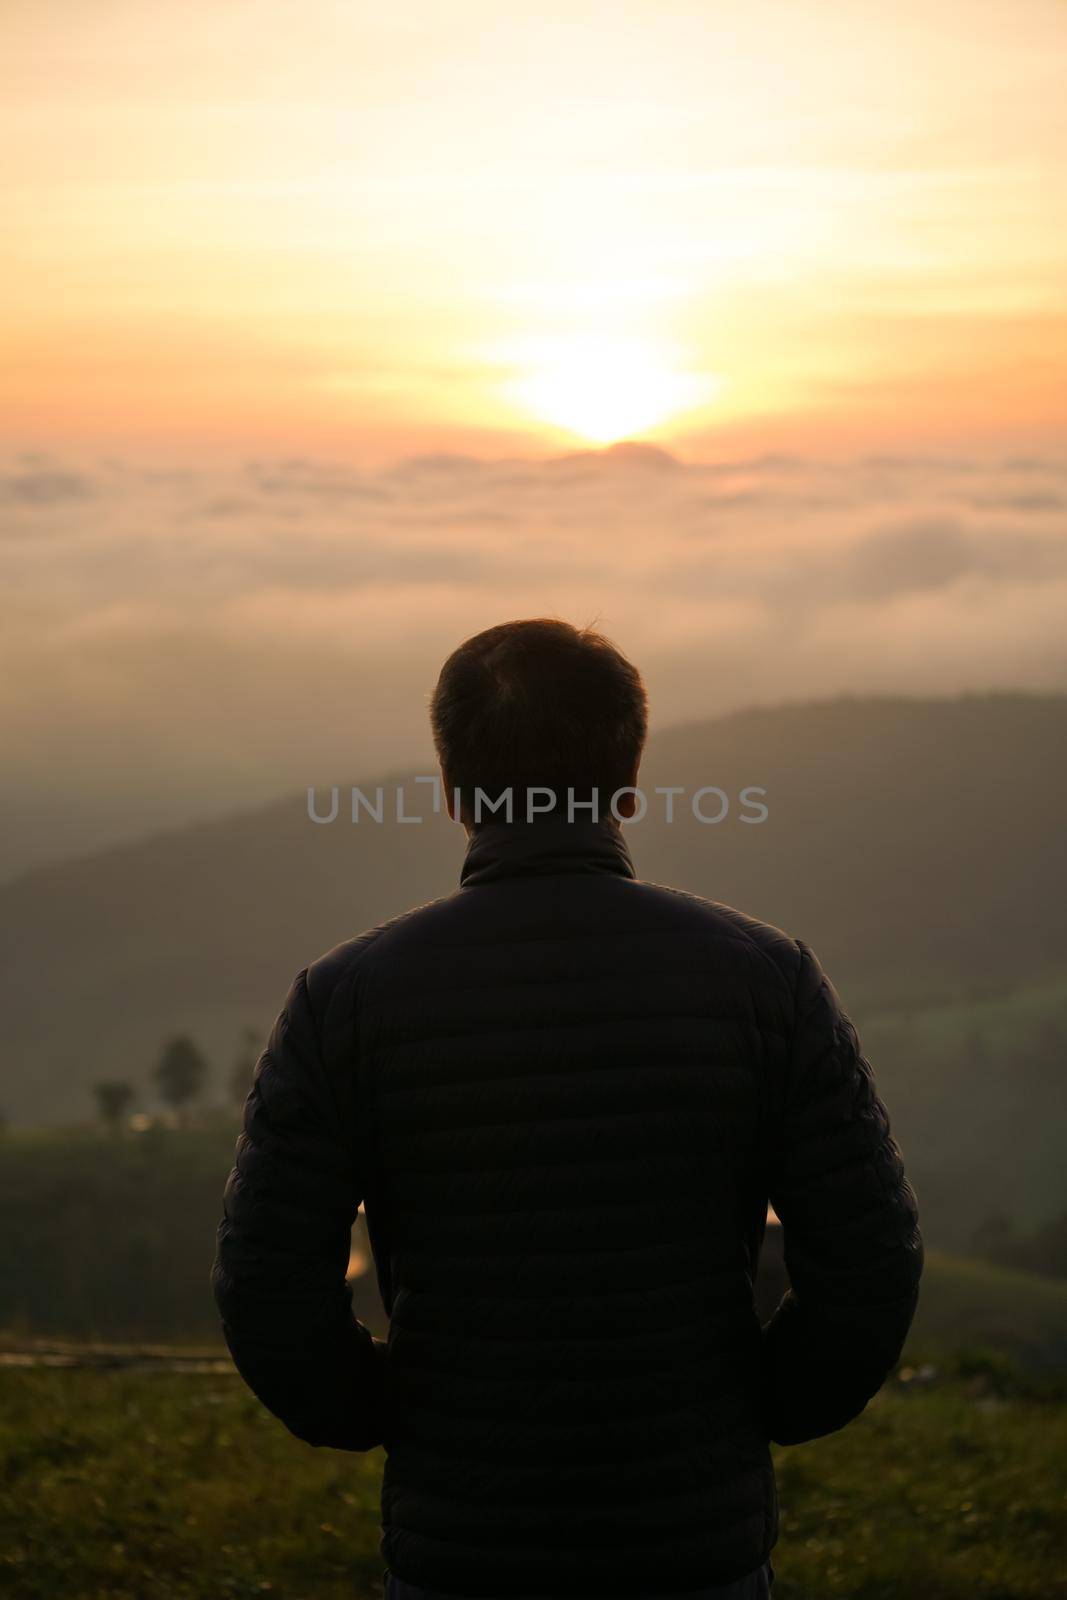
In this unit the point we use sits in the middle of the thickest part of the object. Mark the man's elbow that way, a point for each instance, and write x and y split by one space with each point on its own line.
818 1413
327 1434
319 1394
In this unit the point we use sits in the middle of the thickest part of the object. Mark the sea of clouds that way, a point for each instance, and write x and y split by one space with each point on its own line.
174 643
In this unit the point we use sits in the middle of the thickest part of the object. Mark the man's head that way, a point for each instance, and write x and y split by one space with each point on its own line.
538 704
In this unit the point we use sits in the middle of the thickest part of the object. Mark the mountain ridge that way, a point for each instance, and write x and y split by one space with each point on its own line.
914 843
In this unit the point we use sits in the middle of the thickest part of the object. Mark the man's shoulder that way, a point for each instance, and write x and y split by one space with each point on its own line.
774 955
341 965
769 945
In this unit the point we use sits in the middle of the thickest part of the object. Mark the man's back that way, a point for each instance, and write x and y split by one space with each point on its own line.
565 1098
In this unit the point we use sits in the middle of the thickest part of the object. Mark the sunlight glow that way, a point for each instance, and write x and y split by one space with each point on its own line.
681 233
604 388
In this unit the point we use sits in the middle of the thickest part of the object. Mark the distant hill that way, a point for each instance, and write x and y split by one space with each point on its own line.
916 844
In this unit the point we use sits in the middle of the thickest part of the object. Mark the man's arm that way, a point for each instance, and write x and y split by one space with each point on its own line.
283 1245
850 1228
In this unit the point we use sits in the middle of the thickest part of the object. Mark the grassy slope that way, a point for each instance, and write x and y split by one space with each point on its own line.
119 1486
972 1303
979 1135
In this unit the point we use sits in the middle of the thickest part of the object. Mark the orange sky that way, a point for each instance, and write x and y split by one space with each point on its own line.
491 228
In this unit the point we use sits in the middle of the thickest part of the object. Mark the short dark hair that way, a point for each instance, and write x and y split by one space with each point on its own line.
539 703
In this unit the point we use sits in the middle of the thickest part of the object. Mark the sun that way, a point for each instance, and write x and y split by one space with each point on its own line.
603 389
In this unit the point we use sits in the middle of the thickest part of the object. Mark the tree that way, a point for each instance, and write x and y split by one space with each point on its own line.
244 1065
181 1072
113 1099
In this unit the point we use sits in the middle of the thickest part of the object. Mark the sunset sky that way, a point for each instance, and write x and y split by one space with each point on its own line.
343 226
317 316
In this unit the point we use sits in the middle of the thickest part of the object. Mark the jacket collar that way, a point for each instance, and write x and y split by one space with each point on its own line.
545 846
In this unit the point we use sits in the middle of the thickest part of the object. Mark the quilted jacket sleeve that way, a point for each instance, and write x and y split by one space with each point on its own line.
850 1228
282 1247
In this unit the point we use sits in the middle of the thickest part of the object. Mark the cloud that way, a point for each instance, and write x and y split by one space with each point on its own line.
933 553
1039 501
179 639
44 486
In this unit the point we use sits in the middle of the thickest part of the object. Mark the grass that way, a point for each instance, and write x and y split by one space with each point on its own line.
148 1486
154 1486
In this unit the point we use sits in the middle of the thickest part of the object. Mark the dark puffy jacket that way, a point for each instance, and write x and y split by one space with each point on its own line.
565 1098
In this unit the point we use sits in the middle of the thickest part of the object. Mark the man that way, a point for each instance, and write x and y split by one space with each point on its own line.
565 1097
